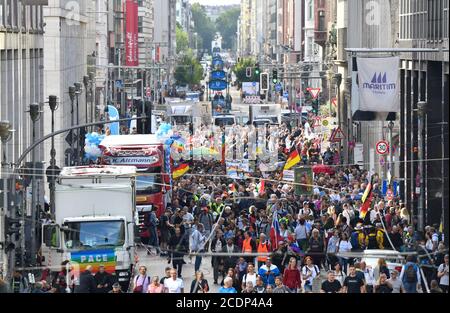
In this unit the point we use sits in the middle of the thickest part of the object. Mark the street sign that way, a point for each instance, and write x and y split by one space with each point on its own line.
215 75
314 92
337 135
218 85
119 83
278 87
334 102
382 147
317 121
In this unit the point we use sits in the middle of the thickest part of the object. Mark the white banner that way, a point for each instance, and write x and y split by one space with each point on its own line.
379 84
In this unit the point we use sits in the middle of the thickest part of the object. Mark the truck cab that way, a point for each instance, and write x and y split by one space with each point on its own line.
94 221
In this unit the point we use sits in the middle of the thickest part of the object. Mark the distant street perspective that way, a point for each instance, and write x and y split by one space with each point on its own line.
181 146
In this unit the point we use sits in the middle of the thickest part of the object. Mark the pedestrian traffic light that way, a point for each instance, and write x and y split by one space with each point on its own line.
264 81
275 76
248 72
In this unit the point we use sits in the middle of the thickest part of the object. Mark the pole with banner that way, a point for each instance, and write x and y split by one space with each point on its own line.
131 33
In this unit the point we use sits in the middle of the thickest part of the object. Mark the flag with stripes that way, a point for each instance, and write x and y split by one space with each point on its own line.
275 231
179 171
293 160
367 197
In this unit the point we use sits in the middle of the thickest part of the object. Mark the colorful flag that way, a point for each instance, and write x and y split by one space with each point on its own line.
293 160
180 171
367 198
275 231
261 187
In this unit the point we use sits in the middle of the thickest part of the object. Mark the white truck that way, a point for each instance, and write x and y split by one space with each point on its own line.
261 114
94 221
186 112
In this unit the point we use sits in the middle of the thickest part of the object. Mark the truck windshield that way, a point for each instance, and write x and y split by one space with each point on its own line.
148 184
224 121
94 235
181 120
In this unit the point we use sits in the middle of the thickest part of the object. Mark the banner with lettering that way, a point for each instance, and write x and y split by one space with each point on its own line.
95 258
379 84
131 33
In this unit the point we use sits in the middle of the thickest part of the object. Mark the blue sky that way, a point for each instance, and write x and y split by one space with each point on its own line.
216 2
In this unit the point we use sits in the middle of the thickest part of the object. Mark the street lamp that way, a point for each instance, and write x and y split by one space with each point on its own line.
92 95
338 81
72 100
35 115
78 91
391 152
52 170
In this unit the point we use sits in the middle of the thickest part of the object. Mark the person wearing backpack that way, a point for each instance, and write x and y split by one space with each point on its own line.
410 275
141 281
309 273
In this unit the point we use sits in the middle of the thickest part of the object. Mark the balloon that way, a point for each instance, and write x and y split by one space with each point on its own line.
91 149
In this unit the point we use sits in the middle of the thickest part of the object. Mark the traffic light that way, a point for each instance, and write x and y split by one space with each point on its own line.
275 76
315 107
257 70
264 81
248 72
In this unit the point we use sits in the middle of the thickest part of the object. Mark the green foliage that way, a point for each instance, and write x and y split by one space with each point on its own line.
240 71
189 71
203 26
226 24
182 39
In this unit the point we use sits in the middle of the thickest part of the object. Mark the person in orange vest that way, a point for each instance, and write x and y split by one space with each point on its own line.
263 247
249 245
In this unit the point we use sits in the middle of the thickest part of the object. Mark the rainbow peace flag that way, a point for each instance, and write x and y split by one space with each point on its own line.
95 258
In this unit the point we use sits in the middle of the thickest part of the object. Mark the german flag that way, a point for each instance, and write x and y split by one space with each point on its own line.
293 160
180 171
366 199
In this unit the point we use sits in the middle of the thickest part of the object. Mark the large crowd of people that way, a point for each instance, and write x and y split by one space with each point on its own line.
299 239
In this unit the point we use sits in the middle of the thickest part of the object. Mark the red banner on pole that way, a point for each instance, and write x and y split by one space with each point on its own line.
131 33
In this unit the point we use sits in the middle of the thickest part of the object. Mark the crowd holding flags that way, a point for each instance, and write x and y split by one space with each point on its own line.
293 160
180 170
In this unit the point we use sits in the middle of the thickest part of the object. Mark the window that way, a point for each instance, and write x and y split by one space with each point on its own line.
322 21
310 10
1 12
140 24
51 236
23 16
95 235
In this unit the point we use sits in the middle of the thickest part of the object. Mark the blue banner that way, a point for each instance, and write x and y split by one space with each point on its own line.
113 116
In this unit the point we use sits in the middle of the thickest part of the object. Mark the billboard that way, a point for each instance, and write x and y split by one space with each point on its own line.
250 89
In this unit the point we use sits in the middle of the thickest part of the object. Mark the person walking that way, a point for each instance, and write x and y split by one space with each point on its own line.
291 276
87 282
103 280
155 286
442 274
216 261
227 286
250 276
263 247
410 275
383 285
19 284
199 284
268 272
173 284
178 246
353 283
396 283
141 281
331 285
198 245
309 273
116 288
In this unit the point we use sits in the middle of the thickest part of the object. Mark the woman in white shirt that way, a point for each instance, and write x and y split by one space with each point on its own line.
339 274
250 276
344 245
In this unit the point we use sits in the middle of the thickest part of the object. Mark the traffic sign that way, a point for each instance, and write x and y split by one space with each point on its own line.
317 121
382 147
119 83
278 87
337 135
314 92
334 102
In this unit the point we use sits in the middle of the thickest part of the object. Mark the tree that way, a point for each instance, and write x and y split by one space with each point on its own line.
182 39
240 70
226 24
189 71
203 26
